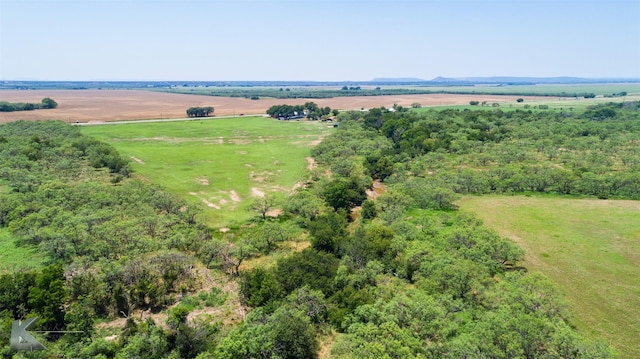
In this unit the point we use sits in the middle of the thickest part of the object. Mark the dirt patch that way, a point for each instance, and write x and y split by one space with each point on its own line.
256 192
209 204
234 196
114 105
203 181
274 212
311 163
137 160
316 142
378 189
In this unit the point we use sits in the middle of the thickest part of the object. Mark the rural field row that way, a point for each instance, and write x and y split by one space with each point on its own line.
118 105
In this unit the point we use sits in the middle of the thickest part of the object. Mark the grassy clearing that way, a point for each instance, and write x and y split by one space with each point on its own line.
16 258
221 164
590 248
567 104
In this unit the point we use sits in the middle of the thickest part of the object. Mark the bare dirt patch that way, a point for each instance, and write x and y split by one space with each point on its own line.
234 196
311 163
203 181
117 105
137 160
256 192
378 189
316 142
209 204
274 212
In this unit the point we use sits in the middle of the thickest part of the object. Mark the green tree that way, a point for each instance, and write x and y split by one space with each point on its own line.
328 231
48 103
262 205
49 295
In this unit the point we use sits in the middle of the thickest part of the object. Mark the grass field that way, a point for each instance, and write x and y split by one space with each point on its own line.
567 104
590 248
543 89
15 258
221 164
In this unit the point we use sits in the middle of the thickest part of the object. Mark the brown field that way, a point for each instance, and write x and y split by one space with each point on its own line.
118 105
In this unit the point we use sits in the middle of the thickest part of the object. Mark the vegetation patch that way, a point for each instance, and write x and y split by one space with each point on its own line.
46 103
588 247
217 164
14 257
403 273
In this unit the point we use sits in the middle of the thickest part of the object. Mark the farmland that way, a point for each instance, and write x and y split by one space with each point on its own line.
112 105
590 248
221 163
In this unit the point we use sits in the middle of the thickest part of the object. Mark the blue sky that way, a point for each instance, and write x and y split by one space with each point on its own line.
321 40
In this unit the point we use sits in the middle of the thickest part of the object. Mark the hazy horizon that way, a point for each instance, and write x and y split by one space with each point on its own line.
316 40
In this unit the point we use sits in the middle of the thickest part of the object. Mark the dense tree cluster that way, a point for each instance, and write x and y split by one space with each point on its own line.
200 111
46 103
309 110
112 249
494 151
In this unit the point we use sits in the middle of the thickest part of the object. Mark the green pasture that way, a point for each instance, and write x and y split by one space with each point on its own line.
590 248
567 104
220 164
15 258
600 89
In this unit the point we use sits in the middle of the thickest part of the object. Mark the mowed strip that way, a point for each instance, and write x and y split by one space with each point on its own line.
221 165
590 248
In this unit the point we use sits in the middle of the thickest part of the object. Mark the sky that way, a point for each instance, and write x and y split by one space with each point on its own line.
316 40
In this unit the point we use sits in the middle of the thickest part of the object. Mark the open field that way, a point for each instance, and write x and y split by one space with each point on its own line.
590 248
551 90
15 258
566 104
544 89
112 105
221 164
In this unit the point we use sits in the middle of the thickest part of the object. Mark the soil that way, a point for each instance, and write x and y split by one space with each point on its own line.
118 105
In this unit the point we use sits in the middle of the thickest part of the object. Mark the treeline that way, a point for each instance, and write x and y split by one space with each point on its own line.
46 103
591 153
309 110
316 93
289 93
199 111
